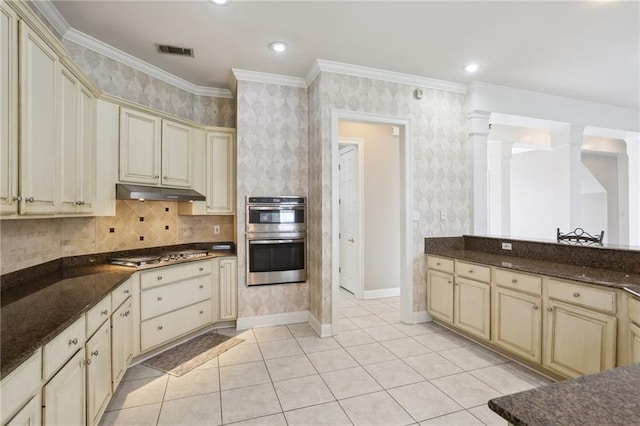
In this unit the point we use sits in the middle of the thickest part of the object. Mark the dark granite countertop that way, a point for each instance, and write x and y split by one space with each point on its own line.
604 277
606 398
51 298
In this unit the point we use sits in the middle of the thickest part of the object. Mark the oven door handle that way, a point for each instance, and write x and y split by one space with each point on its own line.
276 207
275 241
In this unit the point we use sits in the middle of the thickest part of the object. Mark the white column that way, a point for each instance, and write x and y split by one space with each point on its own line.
507 155
478 125
633 152
567 170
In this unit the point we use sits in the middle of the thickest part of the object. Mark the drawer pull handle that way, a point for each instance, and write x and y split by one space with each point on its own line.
105 312
536 307
437 263
159 298
576 294
201 312
471 271
514 280
159 327
126 291
94 353
449 282
126 314
73 341
201 286
159 277
201 269
86 362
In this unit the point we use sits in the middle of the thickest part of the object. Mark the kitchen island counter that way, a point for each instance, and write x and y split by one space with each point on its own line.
606 398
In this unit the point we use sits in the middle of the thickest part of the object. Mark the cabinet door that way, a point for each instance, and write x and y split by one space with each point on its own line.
30 415
39 157
98 373
121 342
228 289
176 154
634 343
68 110
64 395
578 341
440 295
139 147
472 306
86 151
221 172
517 323
8 111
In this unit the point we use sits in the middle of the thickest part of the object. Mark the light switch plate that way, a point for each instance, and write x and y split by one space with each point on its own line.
415 215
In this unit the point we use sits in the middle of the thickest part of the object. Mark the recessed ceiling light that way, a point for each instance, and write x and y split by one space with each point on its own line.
278 46
221 2
471 68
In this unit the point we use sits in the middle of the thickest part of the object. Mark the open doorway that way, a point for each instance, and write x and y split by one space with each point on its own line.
371 230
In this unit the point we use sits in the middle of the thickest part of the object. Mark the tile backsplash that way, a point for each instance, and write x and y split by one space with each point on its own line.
28 242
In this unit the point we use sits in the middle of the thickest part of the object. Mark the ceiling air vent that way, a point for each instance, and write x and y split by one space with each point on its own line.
174 50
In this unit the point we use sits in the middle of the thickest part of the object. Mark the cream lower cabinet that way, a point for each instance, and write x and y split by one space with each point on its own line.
228 288
440 295
30 415
578 341
472 307
121 342
634 343
98 355
20 393
64 401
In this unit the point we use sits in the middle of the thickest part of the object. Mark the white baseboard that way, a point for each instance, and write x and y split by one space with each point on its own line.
383 292
422 316
323 330
283 318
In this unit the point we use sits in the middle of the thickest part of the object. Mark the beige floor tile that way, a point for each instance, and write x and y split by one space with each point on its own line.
133 393
144 415
391 374
212 363
368 321
312 344
370 354
337 359
461 418
424 401
302 329
432 365
241 375
330 414
345 324
353 338
265 334
344 304
406 347
433 327
467 358
290 367
412 329
505 379
380 308
391 317
487 416
280 348
248 403
466 390
385 332
246 352
302 392
350 382
272 420
195 410
442 341
389 300
354 312
246 335
196 382
375 409
369 302
141 371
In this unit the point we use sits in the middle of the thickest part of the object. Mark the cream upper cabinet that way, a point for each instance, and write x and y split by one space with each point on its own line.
39 112
440 295
8 111
472 307
228 279
140 136
221 172
64 395
176 154
86 152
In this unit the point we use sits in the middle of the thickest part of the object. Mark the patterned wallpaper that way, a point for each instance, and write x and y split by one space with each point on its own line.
442 168
30 242
272 160
121 80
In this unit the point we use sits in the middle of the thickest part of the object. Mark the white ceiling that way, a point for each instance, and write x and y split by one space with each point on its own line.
586 50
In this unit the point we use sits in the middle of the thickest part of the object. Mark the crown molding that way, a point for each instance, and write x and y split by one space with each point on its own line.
263 77
313 73
390 76
49 11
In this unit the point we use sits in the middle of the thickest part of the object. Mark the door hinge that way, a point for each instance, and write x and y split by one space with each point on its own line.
339 269
338 166
339 200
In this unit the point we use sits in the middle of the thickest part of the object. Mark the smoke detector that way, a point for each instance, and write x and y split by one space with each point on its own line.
175 50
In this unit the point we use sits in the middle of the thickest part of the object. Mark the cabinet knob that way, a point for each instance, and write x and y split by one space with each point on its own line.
156 176
86 362
105 312
471 271
201 312
17 198
514 280
126 314
30 200
576 294
550 309
449 282
159 298
73 341
437 263
159 327
536 307
94 353
201 269
126 291
165 177
201 286
159 277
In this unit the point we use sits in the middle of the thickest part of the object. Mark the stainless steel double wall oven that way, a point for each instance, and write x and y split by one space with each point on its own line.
276 234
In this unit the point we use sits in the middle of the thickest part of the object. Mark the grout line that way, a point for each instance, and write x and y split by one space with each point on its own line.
163 396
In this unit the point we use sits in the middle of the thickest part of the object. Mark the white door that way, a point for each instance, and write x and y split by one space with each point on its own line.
349 220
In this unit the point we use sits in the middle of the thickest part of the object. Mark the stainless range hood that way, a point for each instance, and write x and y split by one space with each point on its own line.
155 193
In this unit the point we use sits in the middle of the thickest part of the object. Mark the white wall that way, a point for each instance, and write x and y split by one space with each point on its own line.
381 203
494 162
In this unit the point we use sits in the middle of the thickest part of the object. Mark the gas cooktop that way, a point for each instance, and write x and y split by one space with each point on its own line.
165 257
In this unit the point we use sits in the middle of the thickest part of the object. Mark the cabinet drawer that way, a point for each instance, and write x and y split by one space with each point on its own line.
60 349
162 276
518 281
98 315
473 271
440 264
20 385
582 295
167 298
159 330
634 310
120 294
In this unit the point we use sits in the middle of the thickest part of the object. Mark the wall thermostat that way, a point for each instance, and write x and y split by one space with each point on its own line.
418 93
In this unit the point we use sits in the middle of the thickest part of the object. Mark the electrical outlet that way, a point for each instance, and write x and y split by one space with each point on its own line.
216 229
415 215
443 215
507 246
